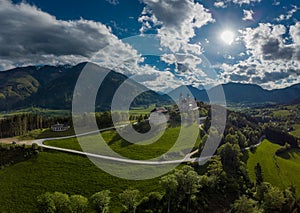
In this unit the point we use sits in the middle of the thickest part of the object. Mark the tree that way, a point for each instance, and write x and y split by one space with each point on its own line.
230 158
45 203
169 183
245 205
290 200
129 199
100 201
62 202
188 183
215 172
57 202
231 138
79 203
150 203
258 174
273 200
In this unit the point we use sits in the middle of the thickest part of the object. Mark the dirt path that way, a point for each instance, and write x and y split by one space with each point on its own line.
10 140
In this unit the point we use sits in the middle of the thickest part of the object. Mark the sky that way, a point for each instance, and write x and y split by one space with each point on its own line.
162 44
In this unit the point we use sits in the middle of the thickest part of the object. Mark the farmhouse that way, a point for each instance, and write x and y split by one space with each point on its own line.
59 127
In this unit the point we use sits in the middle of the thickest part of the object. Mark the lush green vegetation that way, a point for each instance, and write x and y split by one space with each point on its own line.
281 113
222 184
281 171
55 171
41 111
12 154
126 149
45 133
296 131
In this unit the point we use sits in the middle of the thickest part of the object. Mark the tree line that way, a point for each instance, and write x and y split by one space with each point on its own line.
21 124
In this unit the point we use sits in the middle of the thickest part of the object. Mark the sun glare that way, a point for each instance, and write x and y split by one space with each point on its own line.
227 37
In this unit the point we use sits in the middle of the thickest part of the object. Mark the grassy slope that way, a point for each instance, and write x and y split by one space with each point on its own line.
45 112
45 133
124 148
54 171
296 132
281 113
281 171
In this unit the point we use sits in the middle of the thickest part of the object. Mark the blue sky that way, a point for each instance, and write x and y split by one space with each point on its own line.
202 42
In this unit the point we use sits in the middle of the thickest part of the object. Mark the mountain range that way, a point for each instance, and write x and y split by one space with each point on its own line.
53 86
246 94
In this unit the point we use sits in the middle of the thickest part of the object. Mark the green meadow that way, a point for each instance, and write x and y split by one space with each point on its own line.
129 150
54 171
281 171
296 132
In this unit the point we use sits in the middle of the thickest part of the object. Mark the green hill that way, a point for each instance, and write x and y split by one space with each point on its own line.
281 171
56 171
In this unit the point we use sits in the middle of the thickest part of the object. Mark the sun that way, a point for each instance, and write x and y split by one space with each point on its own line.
227 37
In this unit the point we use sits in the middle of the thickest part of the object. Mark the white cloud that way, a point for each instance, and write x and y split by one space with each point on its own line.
274 62
224 3
113 2
248 15
31 36
220 4
267 42
175 22
289 14
160 81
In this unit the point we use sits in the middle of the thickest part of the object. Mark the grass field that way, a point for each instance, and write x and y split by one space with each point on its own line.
45 112
122 147
296 132
281 171
281 113
45 133
55 171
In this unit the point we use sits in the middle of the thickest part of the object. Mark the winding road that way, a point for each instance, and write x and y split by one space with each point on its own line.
187 158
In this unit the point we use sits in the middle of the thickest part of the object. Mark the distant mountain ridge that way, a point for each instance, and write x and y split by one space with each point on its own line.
247 94
53 86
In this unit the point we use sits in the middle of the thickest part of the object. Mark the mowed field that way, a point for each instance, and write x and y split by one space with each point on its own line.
281 171
133 151
296 132
69 173
54 171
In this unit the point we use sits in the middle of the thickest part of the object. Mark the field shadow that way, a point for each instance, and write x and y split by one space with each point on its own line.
292 153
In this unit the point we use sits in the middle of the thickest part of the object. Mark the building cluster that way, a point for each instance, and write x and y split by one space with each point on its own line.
186 104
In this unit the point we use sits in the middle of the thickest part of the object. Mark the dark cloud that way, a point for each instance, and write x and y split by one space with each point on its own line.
171 12
29 36
272 50
25 30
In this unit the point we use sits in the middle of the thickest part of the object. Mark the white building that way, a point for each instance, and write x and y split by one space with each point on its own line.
60 127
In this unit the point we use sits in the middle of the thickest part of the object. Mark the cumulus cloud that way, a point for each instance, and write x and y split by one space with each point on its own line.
175 22
31 36
268 74
161 81
268 41
220 4
289 14
248 15
224 3
273 61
